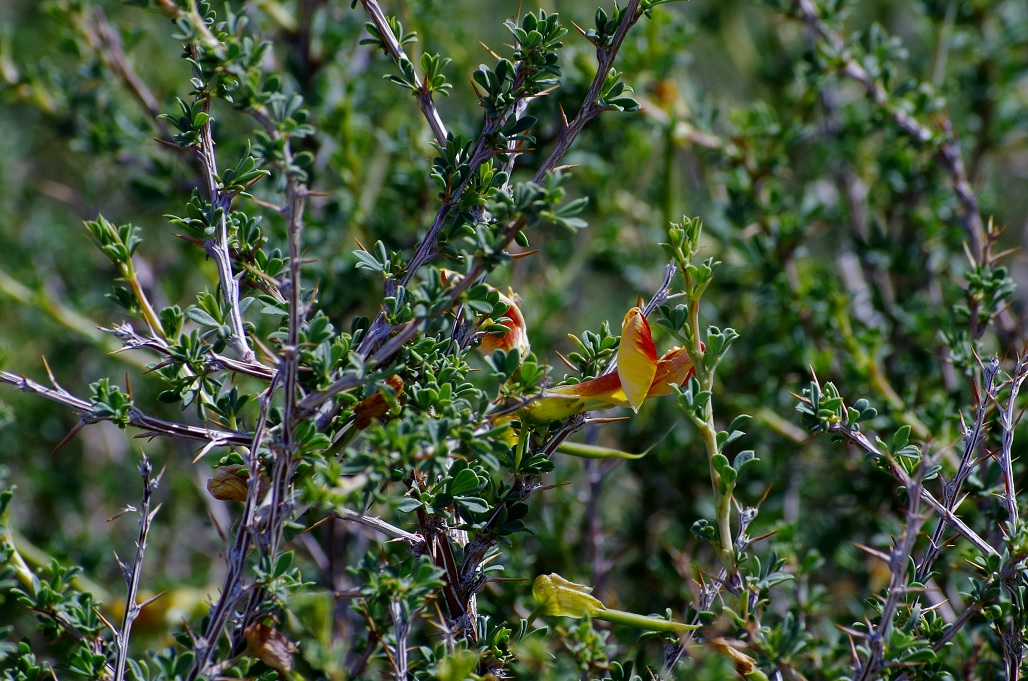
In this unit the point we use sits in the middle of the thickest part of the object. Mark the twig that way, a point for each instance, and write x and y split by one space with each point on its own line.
951 490
395 50
379 525
236 569
215 362
217 244
402 627
899 558
673 653
267 533
929 500
591 107
108 44
137 419
1007 422
131 572
948 148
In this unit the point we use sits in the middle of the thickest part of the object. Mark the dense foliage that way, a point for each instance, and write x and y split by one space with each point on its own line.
441 340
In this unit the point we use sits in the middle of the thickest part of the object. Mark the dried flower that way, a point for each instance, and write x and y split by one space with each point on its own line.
269 646
378 405
231 483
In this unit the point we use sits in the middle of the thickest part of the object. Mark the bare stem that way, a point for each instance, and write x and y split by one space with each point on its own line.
1007 423
137 419
951 489
132 572
927 498
591 107
898 559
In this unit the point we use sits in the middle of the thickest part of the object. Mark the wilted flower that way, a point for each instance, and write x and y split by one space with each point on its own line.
269 646
231 483
517 334
555 595
378 405
517 330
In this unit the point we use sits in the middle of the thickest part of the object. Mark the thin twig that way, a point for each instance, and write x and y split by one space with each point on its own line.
109 46
929 500
591 107
217 244
948 147
132 572
951 490
137 419
214 361
395 50
899 558
233 584
379 525
1007 423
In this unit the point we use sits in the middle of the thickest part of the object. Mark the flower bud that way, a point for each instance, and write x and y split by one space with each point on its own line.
557 596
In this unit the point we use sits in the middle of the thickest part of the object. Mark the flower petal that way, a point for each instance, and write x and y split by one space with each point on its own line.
674 368
637 358
517 337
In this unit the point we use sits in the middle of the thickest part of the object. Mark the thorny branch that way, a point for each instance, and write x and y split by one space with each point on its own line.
929 500
898 560
214 362
267 532
481 152
395 50
591 107
131 572
150 425
1007 423
673 654
217 244
951 489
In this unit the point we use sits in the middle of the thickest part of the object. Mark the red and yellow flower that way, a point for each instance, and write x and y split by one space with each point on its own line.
640 375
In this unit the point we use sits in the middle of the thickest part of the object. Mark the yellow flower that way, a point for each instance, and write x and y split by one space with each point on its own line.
555 595
639 376
559 597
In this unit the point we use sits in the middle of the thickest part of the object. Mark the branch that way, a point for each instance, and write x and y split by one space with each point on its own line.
951 490
898 561
1007 423
215 362
929 500
591 107
131 572
137 419
217 244
395 50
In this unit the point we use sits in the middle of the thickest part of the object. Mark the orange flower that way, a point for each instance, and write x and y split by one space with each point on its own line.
640 375
516 337
517 334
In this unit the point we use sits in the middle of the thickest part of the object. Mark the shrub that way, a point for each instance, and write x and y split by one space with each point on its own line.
371 437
